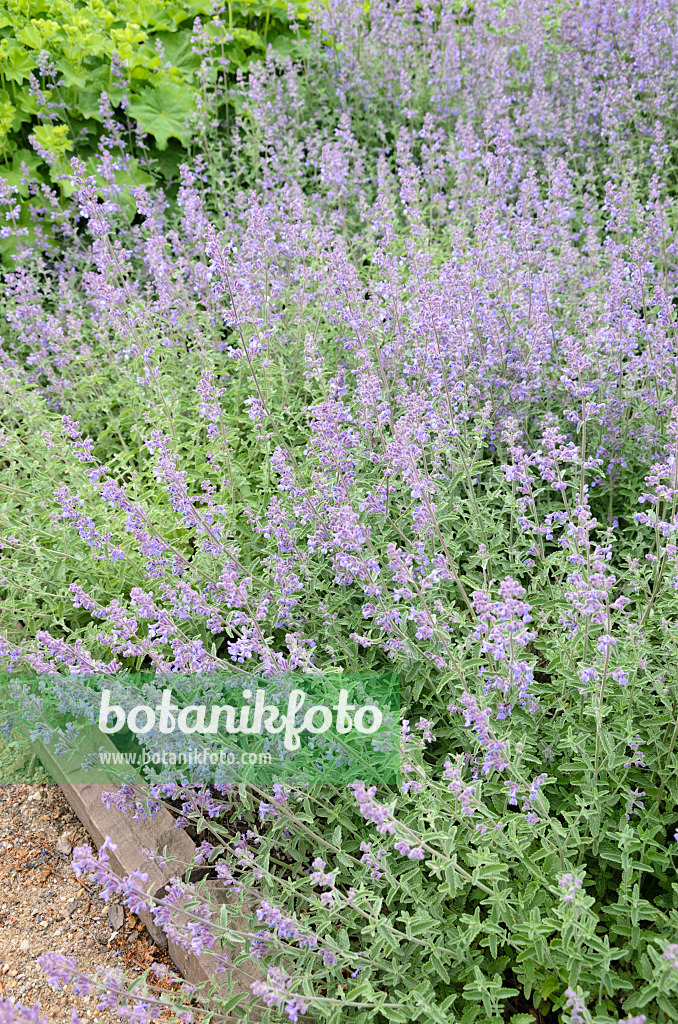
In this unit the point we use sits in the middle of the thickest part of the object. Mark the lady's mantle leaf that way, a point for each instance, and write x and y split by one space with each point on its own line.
162 112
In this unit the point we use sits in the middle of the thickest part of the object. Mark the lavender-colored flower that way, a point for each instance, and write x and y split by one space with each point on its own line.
570 885
275 991
575 1003
286 927
372 860
319 876
495 757
18 1013
371 810
634 801
670 954
468 800
535 786
58 969
588 675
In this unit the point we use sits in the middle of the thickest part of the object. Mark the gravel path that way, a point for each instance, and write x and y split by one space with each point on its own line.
44 907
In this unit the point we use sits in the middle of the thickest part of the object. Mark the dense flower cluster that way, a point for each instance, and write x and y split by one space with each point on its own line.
387 380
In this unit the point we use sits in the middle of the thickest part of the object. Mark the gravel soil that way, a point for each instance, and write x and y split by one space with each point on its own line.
43 907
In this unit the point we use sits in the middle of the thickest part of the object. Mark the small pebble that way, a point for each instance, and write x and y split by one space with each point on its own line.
116 915
63 844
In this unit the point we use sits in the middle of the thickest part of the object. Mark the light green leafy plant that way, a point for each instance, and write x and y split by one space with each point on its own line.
57 57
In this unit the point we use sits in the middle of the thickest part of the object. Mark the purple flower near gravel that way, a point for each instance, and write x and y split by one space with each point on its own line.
203 852
186 917
19 1013
83 860
58 969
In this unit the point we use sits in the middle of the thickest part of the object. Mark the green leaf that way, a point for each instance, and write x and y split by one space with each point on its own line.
13 174
440 967
53 138
248 38
179 52
363 990
550 985
88 103
421 925
399 1016
72 77
162 112
284 45
18 65
24 112
36 33
231 1003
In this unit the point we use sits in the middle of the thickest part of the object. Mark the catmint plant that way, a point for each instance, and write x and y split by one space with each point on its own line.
386 380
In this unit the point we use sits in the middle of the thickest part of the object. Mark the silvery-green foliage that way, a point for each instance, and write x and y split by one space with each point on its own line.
391 385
